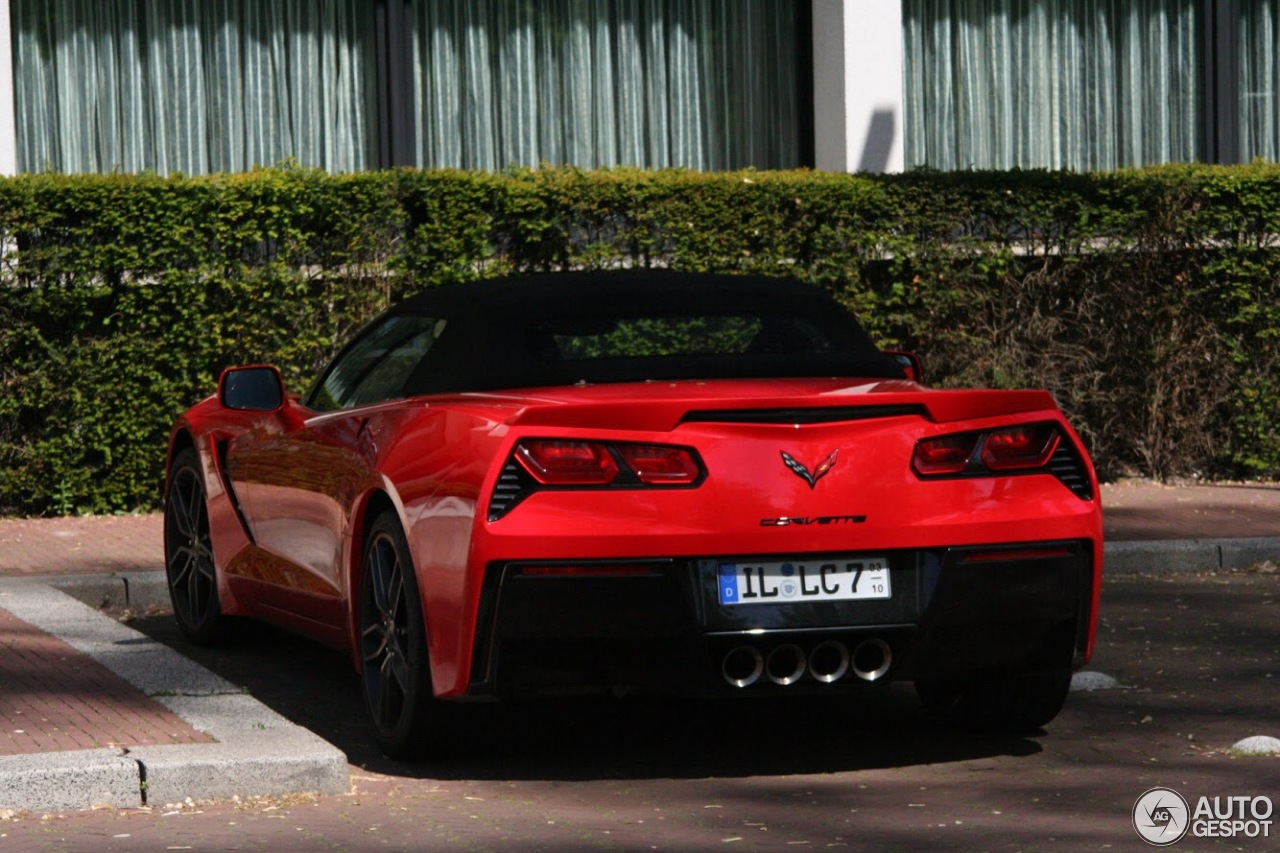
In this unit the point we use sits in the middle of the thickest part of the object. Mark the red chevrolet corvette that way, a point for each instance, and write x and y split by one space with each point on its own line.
711 485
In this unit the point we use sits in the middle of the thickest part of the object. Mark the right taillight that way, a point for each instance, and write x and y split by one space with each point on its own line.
1026 447
1020 447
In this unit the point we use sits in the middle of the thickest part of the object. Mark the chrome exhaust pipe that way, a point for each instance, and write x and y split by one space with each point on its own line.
871 659
743 666
786 665
829 661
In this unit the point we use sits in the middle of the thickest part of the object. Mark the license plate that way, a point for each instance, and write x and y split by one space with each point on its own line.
817 580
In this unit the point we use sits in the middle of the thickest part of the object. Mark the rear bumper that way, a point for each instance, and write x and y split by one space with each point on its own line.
658 625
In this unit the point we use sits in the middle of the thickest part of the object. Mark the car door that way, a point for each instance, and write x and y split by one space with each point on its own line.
298 474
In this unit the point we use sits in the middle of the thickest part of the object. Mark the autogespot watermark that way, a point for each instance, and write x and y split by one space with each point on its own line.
1162 817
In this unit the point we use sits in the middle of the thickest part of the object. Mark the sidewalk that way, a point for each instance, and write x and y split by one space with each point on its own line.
152 712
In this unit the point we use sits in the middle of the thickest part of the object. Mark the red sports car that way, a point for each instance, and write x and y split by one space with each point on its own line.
713 485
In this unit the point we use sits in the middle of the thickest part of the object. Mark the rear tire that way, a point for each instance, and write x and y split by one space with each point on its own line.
396 669
1014 703
188 552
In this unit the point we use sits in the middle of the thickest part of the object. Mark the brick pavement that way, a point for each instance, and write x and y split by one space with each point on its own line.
56 699
81 545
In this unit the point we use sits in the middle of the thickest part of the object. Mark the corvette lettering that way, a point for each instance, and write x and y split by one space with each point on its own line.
788 521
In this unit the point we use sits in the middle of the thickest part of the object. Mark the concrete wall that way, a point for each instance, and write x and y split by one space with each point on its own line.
857 85
8 119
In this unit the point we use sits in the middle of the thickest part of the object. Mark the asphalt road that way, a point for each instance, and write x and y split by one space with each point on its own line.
1198 655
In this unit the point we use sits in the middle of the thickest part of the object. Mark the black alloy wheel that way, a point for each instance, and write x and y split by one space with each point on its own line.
393 648
188 552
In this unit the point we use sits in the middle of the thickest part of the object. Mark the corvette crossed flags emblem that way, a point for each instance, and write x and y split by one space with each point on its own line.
810 477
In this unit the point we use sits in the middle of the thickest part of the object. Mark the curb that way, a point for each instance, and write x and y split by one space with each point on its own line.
258 752
1187 555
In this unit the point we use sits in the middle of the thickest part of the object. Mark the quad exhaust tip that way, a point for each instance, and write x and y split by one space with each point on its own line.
743 666
786 665
827 662
871 659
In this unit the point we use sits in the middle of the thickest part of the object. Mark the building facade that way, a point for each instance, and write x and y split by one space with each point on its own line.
200 86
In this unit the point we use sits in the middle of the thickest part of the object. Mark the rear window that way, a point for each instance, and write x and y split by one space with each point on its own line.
673 336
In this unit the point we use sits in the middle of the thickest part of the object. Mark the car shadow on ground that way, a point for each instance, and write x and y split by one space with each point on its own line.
594 738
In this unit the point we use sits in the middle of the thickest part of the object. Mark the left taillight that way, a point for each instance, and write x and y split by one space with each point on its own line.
537 463
660 465
567 463
554 462
1025 447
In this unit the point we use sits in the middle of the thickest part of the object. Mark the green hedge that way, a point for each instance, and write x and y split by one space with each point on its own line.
1146 301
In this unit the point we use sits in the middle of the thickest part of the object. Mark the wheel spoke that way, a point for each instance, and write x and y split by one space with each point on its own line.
199 520
196 596
181 562
375 635
180 507
387 711
399 671
192 507
395 595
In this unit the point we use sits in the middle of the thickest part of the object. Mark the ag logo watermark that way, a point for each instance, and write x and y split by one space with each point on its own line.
1163 817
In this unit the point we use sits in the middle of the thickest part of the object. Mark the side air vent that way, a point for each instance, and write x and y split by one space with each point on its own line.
1067 466
512 487
819 415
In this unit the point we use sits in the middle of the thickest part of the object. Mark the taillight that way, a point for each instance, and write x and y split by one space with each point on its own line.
949 454
538 463
1025 447
553 462
568 463
659 465
1020 447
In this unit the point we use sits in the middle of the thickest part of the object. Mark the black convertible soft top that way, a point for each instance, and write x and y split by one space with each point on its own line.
599 327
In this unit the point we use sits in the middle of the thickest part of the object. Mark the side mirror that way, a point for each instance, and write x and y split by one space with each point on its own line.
251 389
912 367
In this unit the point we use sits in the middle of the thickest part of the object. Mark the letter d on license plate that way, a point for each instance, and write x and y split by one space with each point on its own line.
788 582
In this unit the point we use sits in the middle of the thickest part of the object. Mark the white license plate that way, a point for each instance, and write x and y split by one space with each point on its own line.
816 580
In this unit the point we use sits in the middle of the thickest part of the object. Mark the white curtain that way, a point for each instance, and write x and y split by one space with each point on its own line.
704 84
192 86
1259 80
1060 84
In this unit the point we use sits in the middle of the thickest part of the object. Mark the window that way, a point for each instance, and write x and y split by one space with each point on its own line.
376 367
665 336
192 86
1259 76
695 83
201 86
1075 84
